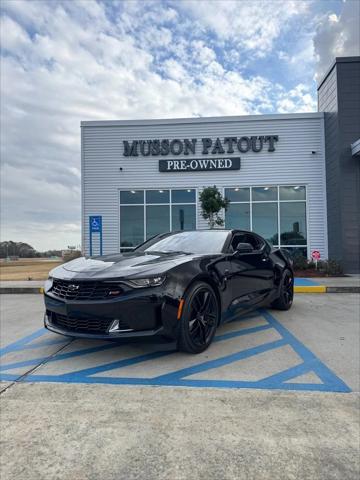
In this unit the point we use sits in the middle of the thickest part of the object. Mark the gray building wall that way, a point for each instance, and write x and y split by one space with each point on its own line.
339 98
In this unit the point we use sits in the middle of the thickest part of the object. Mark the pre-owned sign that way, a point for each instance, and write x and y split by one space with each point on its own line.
199 164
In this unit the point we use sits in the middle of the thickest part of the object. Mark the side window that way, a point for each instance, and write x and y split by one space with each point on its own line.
237 238
256 242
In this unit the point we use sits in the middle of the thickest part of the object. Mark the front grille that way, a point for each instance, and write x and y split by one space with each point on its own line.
84 325
69 290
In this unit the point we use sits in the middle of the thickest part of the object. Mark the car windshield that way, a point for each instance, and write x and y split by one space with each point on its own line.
188 242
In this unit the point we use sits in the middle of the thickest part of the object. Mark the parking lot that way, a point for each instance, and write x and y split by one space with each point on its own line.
275 396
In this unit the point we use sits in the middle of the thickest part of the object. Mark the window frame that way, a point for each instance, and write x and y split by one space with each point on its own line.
278 201
145 204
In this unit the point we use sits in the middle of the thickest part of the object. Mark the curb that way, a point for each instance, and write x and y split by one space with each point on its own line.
347 289
21 290
310 289
325 289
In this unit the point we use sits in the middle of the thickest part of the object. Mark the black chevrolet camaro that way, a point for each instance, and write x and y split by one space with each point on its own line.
178 285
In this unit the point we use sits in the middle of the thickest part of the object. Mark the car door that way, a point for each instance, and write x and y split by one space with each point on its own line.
252 274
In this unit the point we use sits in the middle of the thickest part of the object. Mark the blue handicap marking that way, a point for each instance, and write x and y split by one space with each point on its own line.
310 374
304 282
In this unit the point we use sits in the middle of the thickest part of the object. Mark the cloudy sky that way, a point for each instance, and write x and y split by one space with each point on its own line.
67 61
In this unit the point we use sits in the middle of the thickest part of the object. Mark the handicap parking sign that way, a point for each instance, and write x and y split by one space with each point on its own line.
95 224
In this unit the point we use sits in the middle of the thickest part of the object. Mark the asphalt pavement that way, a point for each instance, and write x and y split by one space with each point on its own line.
275 396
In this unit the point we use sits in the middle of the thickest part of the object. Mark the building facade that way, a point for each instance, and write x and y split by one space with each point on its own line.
144 177
339 98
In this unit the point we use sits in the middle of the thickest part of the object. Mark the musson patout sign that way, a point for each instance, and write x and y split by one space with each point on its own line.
187 146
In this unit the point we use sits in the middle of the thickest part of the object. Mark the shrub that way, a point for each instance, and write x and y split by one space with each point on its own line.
71 255
311 265
330 267
300 262
212 202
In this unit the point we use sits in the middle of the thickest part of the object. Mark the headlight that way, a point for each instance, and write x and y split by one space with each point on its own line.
145 282
48 283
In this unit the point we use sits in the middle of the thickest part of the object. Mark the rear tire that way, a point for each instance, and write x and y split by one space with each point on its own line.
286 297
199 318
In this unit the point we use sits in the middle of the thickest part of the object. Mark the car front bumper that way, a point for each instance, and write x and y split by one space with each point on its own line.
142 313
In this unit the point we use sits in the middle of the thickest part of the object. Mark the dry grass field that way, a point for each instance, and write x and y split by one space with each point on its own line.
27 268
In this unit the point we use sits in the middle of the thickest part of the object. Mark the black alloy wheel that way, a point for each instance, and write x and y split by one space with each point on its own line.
199 319
285 300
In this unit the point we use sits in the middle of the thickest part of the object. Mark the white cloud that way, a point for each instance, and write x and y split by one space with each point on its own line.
70 61
337 36
298 99
251 25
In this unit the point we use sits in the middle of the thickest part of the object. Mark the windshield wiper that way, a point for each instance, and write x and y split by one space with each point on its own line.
180 252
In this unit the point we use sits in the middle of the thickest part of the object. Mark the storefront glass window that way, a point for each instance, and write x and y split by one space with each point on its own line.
157 196
265 221
183 196
296 251
157 220
292 193
144 214
183 217
292 223
264 194
281 221
131 226
276 213
132 197
237 194
238 216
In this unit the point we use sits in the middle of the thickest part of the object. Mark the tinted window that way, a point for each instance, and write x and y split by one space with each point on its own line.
293 223
264 194
238 216
183 217
132 196
131 226
292 193
237 194
296 251
157 220
190 242
157 196
183 196
265 221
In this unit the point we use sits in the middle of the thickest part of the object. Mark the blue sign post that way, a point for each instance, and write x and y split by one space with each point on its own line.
95 226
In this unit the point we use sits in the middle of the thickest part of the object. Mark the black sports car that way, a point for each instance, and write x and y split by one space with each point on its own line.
179 285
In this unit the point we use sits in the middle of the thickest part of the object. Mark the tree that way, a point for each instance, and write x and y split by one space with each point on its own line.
212 202
16 249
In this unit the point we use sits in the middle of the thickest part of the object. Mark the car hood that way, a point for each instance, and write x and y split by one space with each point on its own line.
121 265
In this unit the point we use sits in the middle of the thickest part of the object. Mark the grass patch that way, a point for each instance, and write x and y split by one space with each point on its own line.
23 269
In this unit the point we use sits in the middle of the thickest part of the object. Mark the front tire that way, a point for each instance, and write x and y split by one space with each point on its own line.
199 318
286 297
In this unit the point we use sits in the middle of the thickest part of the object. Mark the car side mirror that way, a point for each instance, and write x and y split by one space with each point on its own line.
244 248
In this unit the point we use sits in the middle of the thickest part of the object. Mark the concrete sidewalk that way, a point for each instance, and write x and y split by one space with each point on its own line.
348 284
